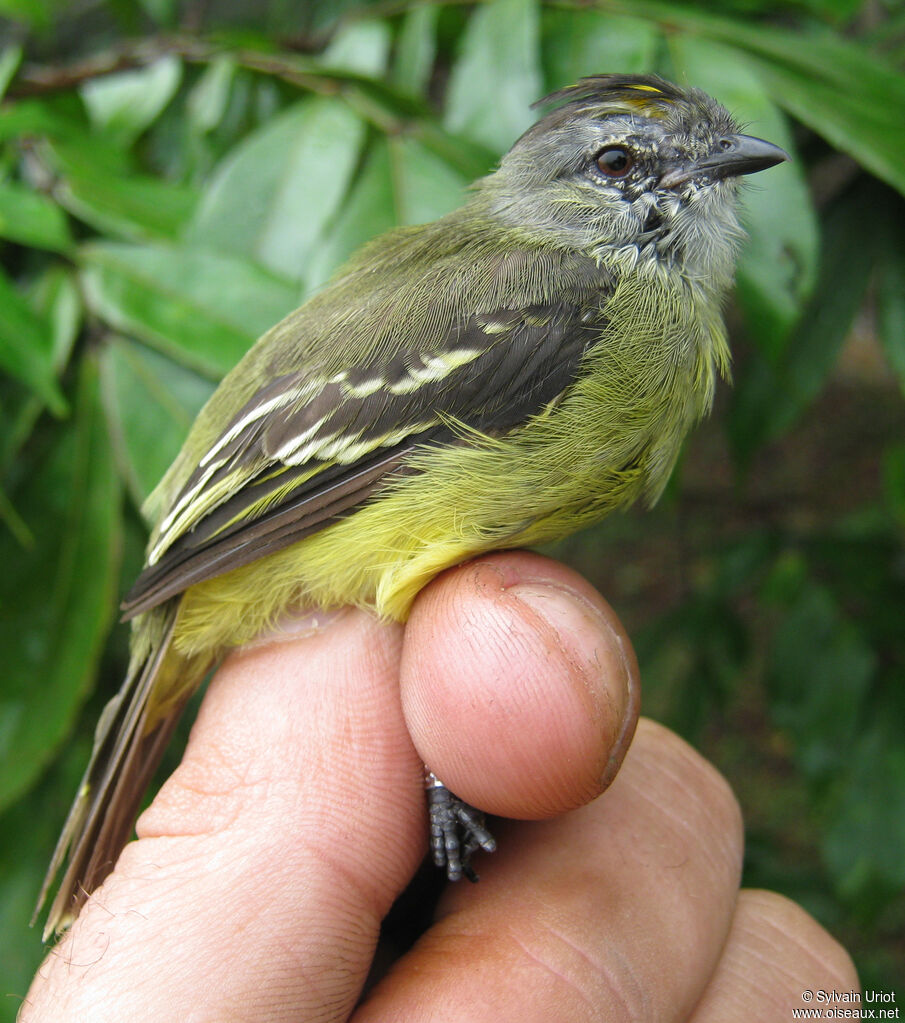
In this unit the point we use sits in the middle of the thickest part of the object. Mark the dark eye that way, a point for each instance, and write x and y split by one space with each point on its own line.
615 161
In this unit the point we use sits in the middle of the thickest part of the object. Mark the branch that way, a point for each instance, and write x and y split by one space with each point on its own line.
39 80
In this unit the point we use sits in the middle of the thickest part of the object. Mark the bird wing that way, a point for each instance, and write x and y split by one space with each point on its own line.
305 450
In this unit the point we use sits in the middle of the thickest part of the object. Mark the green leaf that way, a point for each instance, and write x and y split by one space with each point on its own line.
56 300
769 398
890 297
778 264
56 297
368 211
38 117
29 218
469 159
819 668
851 123
209 99
691 657
894 481
394 113
26 346
416 49
361 46
587 42
57 607
28 832
164 12
151 402
37 13
497 75
425 187
203 309
402 182
115 201
14 522
273 194
124 104
10 59
865 843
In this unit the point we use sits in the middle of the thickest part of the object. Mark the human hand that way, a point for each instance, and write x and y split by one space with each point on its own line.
266 863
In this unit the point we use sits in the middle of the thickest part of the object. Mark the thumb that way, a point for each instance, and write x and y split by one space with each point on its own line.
519 685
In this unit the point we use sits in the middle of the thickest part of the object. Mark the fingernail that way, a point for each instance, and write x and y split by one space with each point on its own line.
594 641
296 625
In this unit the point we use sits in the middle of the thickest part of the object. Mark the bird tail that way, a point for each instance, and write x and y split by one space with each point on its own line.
129 741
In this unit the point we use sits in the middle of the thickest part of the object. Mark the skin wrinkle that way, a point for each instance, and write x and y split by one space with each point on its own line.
707 806
327 976
455 931
784 932
365 884
686 827
603 976
631 990
766 957
220 812
510 645
826 963
167 873
570 983
179 878
664 811
314 841
771 955
489 672
342 882
220 798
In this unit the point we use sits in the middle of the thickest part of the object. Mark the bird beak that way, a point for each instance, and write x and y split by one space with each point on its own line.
732 155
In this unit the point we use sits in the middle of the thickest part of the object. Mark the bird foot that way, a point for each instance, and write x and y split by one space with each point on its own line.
457 831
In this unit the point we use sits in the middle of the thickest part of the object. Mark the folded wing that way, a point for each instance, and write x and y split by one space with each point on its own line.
305 451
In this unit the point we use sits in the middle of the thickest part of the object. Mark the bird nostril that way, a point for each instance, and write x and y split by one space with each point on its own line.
725 144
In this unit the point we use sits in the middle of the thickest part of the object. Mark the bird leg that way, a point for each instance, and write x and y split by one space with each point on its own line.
457 830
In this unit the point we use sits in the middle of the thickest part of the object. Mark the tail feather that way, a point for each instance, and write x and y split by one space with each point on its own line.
128 744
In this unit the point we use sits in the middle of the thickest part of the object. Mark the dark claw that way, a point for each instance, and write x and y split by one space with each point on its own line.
457 832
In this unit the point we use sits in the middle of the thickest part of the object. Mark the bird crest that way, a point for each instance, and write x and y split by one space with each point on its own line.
649 95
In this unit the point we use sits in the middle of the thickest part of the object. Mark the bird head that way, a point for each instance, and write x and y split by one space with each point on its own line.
635 171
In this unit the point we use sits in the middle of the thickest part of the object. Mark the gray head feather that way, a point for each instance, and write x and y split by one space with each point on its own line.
555 185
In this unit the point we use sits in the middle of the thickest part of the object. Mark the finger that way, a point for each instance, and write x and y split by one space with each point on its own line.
616 911
777 958
268 859
519 685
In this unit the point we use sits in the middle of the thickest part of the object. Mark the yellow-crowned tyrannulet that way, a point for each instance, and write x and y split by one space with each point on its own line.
497 378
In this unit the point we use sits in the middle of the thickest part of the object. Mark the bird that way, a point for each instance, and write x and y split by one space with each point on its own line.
494 379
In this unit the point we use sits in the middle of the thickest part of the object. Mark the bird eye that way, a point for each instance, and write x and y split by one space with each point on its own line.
615 161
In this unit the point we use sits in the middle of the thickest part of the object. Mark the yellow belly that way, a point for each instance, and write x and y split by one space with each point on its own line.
380 557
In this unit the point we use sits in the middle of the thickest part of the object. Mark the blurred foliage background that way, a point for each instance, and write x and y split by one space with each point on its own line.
176 176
